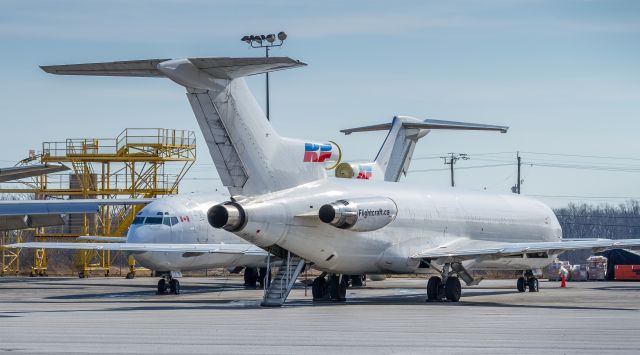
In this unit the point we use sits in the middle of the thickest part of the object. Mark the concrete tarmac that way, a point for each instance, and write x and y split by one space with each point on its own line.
216 315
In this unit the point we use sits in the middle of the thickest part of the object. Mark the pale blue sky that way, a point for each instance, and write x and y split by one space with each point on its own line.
564 75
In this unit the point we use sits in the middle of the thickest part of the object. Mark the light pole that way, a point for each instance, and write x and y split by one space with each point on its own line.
266 42
451 160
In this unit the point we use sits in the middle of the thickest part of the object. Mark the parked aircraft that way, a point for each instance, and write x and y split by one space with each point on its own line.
281 198
181 220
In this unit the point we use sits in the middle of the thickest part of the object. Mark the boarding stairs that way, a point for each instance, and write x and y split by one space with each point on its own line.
278 290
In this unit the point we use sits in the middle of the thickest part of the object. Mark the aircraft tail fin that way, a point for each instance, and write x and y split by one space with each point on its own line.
250 157
394 156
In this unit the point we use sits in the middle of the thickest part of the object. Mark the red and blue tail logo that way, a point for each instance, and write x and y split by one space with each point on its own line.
364 172
317 153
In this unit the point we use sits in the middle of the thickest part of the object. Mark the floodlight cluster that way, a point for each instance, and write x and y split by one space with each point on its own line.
269 40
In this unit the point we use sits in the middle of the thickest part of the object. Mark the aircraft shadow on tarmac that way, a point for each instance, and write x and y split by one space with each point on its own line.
149 292
176 303
411 296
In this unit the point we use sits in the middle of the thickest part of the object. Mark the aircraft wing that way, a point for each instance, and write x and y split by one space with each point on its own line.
468 249
44 207
244 249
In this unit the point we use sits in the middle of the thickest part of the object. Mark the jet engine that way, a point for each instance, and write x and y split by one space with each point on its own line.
359 214
261 223
229 216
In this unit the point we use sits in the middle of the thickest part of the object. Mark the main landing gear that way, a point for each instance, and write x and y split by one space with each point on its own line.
168 283
250 277
253 275
447 287
330 289
527 281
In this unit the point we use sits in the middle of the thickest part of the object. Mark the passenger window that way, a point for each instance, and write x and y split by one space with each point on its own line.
138 220
153 220
167 221
174 221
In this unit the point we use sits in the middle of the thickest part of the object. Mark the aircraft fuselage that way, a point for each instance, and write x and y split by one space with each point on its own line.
182 219
426 218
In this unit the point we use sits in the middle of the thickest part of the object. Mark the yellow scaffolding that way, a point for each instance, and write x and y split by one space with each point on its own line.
10 257
134 164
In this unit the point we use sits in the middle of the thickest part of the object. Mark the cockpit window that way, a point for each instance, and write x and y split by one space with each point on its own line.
174 221
138 220
167 221
153 220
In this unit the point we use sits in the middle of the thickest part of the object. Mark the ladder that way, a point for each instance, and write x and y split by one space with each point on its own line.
278 290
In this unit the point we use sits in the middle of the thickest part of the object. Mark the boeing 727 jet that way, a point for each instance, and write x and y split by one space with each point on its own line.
281 198
180 221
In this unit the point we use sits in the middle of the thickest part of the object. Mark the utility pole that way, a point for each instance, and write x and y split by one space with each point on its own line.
451 160
266 42
516 189
519 181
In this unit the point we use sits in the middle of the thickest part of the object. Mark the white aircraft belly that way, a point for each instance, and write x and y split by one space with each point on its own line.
177 261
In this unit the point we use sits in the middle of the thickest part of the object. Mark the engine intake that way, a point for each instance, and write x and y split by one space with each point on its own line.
229 216
360 215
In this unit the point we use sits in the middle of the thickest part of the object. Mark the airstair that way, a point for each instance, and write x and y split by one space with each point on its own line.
278 290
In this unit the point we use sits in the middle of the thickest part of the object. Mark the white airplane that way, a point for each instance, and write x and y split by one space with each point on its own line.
181 220
281 198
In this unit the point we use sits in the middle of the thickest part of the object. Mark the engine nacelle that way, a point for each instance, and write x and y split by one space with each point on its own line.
261 223
360 214
229 216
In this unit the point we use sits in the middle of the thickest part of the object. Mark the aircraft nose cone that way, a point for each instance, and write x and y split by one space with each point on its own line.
140 234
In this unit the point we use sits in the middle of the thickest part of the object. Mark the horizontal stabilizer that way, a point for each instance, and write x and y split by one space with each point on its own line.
222 68
430 125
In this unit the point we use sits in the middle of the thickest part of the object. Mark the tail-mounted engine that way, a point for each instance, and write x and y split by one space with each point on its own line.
229 216
360 214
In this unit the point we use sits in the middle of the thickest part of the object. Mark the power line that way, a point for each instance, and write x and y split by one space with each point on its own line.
584 156
461 168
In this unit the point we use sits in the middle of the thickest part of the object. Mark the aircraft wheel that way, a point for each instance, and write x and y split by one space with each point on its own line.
533 284
250 277
262 274
342 290
81 275
522 284
433 288
174 286
452 289
130 276
162 286
356 281
319 289
334 287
